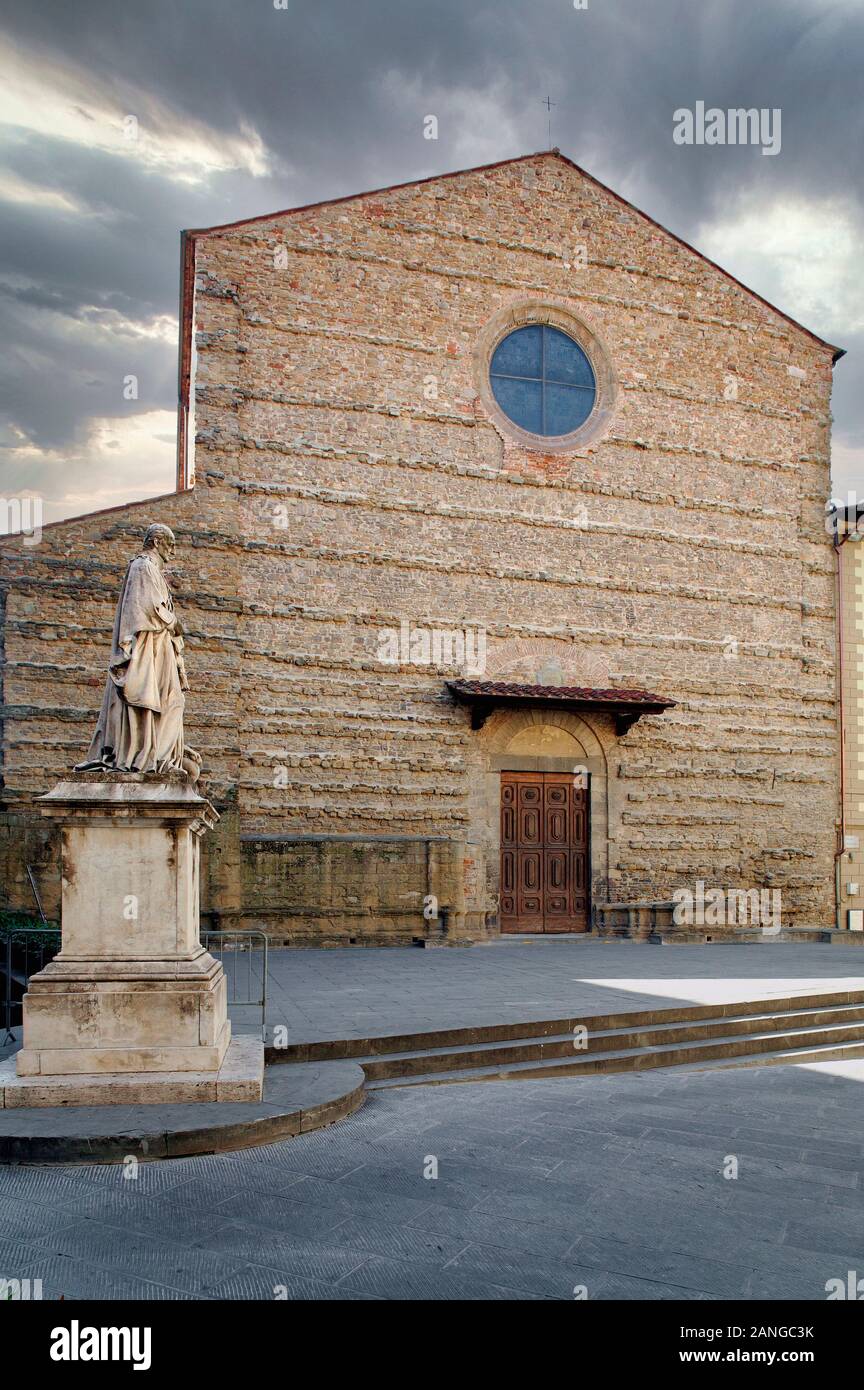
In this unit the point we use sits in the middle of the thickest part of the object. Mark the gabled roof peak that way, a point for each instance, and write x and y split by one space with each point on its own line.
553 153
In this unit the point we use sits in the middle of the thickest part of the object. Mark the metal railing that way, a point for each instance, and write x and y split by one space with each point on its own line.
26 950
23 951
243 955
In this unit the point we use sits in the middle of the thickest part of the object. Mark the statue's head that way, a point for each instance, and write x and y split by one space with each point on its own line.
161 539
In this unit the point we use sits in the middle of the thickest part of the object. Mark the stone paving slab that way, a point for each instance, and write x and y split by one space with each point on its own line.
296 1099
355 992
541 1186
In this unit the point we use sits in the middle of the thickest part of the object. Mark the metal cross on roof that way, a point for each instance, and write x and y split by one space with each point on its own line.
549 104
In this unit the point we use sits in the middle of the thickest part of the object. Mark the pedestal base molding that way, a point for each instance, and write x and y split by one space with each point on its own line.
240 1077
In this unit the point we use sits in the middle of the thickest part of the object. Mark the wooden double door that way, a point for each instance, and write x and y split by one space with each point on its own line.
544 852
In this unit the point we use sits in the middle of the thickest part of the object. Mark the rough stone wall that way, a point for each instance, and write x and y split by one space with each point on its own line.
353 889
852 623
703 571
349 478
59 598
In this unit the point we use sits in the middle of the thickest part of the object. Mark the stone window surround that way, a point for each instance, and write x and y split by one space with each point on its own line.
541 311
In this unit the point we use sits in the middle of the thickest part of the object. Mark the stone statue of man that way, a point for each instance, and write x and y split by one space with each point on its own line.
140 726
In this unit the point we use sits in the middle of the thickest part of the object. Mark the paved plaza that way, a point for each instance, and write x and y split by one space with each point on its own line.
347 993
611 1187
372 992
688 1183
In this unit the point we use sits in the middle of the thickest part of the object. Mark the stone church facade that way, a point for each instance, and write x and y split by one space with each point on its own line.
470 650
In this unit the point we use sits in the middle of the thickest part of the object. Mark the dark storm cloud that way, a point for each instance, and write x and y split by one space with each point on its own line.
337 91
309 78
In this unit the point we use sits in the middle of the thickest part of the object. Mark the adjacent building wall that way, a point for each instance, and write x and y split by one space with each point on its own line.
60 596
851 876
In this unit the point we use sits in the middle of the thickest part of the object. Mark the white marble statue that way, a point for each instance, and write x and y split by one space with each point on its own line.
140 726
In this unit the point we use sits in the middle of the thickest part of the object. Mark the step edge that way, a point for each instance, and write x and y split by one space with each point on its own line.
545 1040
352 1048
575 1064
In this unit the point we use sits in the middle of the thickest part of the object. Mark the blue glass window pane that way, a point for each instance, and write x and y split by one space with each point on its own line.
520 353
521 401
542 380
567 407
565 361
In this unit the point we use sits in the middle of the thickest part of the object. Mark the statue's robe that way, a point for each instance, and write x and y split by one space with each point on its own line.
140 726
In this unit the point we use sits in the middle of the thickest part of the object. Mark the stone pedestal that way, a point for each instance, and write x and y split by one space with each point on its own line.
133 1007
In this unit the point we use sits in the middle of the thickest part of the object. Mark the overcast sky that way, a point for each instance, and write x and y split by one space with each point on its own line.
244 108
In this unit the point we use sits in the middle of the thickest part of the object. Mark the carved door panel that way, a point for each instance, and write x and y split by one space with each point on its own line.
544 853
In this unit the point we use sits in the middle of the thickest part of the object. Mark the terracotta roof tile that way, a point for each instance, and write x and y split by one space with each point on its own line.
491 689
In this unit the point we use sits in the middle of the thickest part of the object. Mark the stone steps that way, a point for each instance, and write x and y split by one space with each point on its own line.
615 1040
428 1041
806 1044
296 1100
809 1027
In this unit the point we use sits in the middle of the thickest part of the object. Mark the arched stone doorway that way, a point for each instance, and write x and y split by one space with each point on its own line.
553 750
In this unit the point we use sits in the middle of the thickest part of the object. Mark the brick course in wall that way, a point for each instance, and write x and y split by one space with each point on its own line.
348 478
